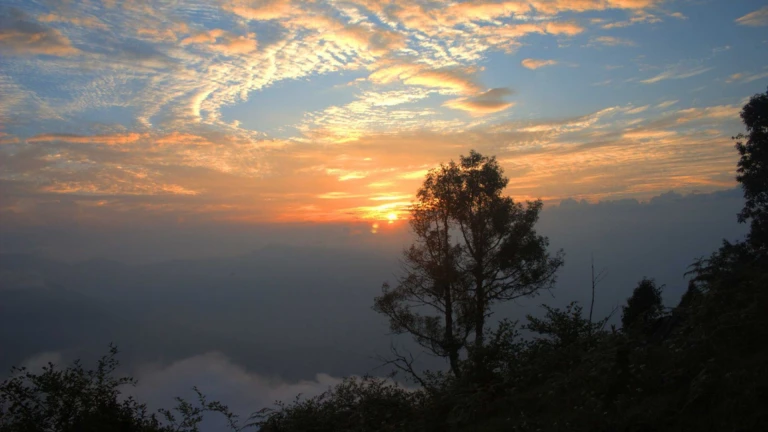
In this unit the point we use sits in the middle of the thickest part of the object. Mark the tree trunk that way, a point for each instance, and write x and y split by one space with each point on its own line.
479 323
450 339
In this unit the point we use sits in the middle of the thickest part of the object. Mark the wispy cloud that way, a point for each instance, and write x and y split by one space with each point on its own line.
638 16
746 77
637 110
537 63
612 41
677 72
217 109
666 104
755 19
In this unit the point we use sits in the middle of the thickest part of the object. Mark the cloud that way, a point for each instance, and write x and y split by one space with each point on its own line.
178 138
223 41
638 16
212 175
490 101
163 99
117 139
612 41
261 10
679 71
568 28
215 375
507 36
666 104
19 35
648 134
537 63
36 363
8 139
734 77
219 378
637 110
711 112
80 21
755 19
452 79
746 77
553 7
136 53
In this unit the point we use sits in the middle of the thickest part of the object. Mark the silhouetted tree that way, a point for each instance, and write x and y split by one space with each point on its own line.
356 404
76 399
753 170
72 399
474 248
432 282
562 328
643 306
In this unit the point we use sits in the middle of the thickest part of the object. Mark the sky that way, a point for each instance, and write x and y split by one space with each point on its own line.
235 111
221 187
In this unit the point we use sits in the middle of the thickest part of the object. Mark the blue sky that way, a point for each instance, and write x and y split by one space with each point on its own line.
279 110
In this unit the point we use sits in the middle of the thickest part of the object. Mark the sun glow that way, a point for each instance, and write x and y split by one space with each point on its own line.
392 217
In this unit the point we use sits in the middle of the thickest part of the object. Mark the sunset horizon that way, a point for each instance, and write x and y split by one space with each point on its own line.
280 111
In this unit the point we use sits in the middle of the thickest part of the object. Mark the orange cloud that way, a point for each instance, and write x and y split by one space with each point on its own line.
260 10
113 186
648 134
454 79
177 138
507 35
361 38
84 21
553 7
8 139
20 36
483 11
568 28
116 139
487 102
537 63
223 41
713 112
388 73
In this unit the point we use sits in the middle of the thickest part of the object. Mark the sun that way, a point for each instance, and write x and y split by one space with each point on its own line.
392 217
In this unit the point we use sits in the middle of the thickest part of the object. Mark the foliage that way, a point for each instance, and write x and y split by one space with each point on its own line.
474 248
753 169
77 399
643 307
355 405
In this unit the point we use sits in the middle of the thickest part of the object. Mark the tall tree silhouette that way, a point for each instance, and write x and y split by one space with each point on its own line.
474 248
642 307
753 170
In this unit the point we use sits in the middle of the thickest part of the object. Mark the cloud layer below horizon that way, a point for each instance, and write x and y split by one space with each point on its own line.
278 110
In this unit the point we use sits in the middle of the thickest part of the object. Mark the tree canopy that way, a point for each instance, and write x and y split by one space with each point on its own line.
753 169
474 248
643 307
